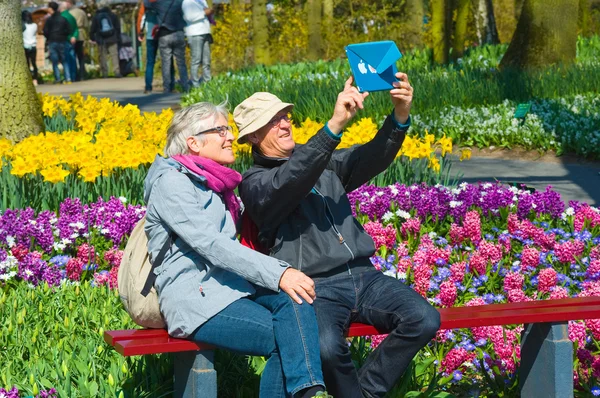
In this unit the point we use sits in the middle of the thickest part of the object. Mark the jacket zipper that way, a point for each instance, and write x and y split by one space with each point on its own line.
329 216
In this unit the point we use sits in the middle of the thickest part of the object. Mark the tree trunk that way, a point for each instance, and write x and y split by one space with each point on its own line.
413 16
460 29
440 30
315 41
585 10
260 25
485 22
20 108
546 34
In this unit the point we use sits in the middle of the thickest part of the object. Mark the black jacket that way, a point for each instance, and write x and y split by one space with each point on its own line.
300 204
57 28
96 27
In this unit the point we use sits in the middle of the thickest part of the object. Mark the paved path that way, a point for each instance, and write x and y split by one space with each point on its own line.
573 181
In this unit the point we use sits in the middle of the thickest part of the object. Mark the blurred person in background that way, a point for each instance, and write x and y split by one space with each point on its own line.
171 40
106 32
197 15
71 40
57 31
146 21
30 43
82 26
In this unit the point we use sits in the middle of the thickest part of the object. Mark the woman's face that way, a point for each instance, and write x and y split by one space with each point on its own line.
215 146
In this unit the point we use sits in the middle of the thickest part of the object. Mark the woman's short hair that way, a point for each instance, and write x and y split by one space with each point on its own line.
26 17
189 121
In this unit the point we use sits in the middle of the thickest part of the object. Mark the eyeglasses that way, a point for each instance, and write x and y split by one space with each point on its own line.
276 121
222 130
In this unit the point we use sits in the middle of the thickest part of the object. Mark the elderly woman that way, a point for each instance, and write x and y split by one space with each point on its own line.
211 288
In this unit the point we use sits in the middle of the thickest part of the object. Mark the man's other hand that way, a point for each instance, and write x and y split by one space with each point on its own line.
402 96
297 285
348 103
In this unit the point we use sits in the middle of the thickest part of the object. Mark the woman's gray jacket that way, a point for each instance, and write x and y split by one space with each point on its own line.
206 268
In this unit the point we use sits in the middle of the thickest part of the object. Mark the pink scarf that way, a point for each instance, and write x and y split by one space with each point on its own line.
219 178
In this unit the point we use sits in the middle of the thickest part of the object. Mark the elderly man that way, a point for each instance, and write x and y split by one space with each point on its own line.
296 195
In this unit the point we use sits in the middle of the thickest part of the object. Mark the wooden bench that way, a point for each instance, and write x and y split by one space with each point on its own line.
546 368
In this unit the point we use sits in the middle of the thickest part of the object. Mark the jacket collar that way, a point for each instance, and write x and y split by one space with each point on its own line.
265 161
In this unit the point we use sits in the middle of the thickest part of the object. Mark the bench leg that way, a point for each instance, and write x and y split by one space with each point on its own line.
546 361
195 376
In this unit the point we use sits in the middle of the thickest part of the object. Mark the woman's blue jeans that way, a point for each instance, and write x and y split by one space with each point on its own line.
270 324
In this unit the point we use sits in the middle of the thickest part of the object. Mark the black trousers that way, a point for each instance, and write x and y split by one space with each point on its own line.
30 54
80 61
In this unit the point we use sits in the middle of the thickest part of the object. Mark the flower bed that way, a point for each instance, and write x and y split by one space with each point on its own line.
470 245
96 148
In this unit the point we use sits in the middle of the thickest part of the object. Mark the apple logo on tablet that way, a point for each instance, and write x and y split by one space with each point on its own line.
361 67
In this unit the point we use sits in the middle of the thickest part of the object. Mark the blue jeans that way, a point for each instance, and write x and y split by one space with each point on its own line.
71 61
270 324
57 53
172 45
151 51
200 52
376 299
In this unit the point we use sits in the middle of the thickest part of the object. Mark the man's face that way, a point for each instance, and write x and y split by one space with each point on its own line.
275 139
62 6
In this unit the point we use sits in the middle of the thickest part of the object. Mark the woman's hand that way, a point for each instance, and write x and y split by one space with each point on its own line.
295 283
348 103
402 96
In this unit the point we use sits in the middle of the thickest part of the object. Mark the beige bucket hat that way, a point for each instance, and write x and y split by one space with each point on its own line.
255 112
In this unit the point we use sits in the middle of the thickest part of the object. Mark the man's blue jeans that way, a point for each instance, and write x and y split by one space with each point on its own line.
376 299
71 60
57 53
273 325
151 51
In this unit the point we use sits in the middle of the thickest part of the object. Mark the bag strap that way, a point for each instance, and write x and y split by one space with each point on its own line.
160 20
159 259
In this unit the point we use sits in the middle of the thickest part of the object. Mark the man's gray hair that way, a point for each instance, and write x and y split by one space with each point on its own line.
189 121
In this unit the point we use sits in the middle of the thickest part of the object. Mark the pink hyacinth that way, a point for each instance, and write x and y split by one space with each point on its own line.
113 257
594 326
530 258
513 280
492 252
593 270
447 294
472 226
517 296
112 277
422 274
456 234
504 240
382 236
586 214
74 268
546 279
590 289
404 265
478 263
513 223
456 358
476 301
87 253
577 332
559 292
376 339
402 250
411 227
458 271
595 253
569 251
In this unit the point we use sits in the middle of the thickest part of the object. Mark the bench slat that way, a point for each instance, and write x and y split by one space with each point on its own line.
154 341
451 319
157 345
113 336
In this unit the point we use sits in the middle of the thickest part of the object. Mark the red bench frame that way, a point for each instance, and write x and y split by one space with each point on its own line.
155 341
